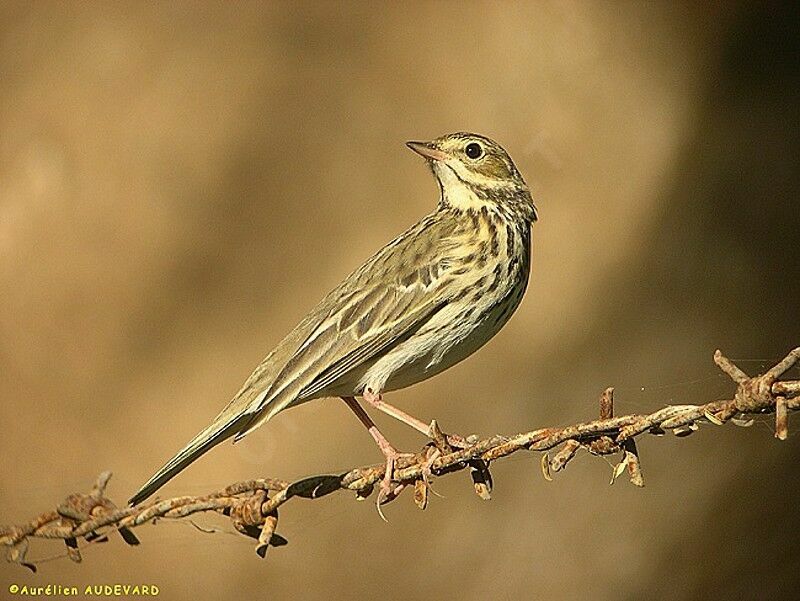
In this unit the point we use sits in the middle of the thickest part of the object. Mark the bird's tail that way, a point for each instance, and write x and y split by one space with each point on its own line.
214 434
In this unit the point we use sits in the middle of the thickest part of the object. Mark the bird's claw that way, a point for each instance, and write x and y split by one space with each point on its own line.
431 455
441 444
390 489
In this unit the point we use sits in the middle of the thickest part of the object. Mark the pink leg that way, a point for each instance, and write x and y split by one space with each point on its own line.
377 401
389 452
428 430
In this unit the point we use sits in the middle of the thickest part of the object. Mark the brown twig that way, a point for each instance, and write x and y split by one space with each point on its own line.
253 505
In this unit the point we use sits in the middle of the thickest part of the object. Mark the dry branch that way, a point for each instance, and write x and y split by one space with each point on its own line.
253 505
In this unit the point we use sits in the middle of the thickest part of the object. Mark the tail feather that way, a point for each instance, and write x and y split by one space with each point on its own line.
204 441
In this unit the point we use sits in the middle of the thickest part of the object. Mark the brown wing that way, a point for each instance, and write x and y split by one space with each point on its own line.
374 309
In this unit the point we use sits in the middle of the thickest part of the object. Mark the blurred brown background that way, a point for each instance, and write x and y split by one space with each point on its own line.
180 182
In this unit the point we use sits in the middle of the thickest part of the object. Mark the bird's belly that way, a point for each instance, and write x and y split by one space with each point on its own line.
427 353
436 347
440 345
426 366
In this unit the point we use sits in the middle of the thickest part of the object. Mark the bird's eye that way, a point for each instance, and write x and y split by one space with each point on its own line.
473 150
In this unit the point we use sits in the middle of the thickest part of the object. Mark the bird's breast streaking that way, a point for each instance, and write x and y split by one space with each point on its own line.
485 276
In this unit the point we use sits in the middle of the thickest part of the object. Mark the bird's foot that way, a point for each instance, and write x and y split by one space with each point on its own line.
424 486
390 488
431 455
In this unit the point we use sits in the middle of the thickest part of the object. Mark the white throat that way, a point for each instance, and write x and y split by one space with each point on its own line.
454 191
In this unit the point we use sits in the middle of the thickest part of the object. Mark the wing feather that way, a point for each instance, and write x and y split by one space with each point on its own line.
375 344
377 307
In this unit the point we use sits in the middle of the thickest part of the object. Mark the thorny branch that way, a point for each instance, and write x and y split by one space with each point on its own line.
253 505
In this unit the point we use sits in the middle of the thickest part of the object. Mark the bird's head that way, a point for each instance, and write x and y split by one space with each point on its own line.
474 171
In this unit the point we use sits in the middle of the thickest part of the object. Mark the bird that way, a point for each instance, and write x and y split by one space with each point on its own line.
425 301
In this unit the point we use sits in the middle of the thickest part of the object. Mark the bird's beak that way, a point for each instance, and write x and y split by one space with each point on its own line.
428 150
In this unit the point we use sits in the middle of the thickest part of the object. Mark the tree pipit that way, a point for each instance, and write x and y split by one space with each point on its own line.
428 299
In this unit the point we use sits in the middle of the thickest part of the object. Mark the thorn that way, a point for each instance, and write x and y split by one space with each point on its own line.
565 455
685 430
784 365
72 550
439 438
781 419
742 421
607 403
421 494
363 493
483 491
632 462
265 537
736 374
481 478
545 464
618 469
713 418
